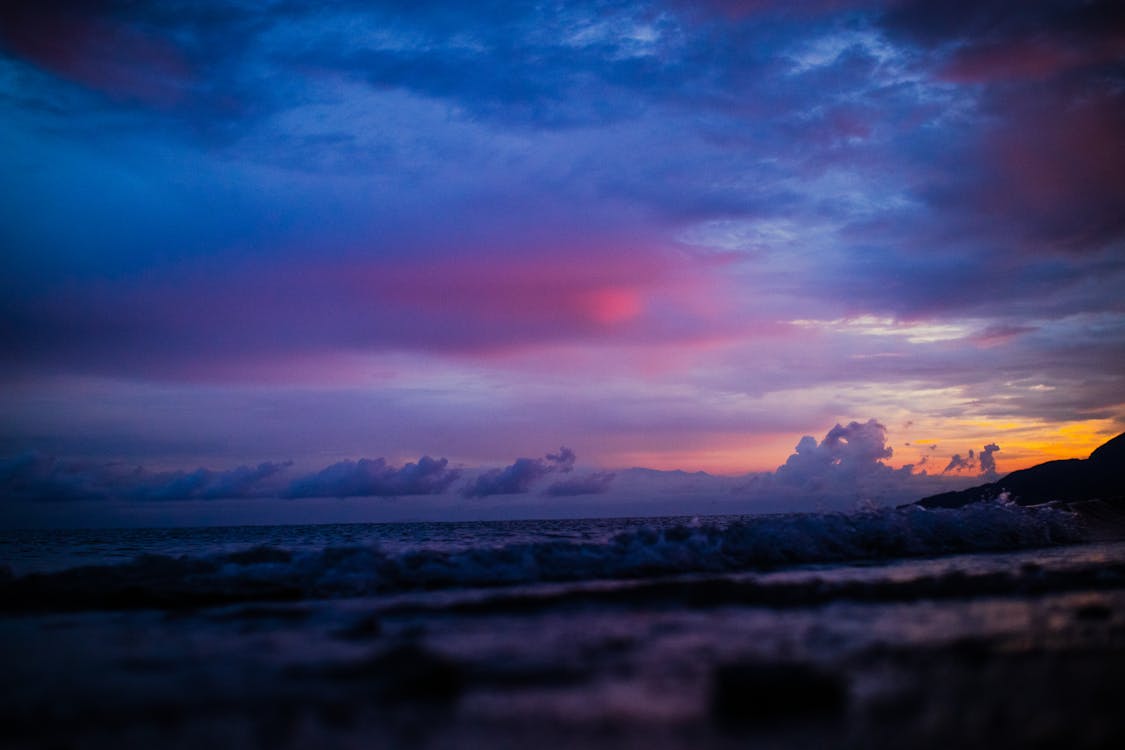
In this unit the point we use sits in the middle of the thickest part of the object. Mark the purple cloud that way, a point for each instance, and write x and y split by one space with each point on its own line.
846 451
845 469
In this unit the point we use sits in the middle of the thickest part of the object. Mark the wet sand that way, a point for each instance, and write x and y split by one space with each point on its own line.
845 657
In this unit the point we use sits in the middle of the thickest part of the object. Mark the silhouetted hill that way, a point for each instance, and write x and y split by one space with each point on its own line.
1099 477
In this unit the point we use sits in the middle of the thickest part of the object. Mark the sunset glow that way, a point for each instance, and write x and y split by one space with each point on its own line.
664 235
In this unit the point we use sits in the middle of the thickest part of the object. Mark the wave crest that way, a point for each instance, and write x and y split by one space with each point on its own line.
748 544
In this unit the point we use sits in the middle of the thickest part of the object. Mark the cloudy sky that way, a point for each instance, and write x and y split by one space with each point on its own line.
286 236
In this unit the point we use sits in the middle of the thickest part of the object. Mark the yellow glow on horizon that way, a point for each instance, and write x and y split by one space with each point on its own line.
1073 440
725 456
1022 444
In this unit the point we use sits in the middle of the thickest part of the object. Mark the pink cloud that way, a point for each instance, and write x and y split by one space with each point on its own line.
250 320
584 291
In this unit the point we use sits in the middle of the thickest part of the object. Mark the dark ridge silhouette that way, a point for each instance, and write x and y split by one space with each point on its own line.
1100 477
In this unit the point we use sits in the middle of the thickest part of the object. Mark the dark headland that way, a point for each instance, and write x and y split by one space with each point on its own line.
1095 484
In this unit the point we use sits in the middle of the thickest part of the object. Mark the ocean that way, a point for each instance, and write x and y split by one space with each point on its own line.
990 625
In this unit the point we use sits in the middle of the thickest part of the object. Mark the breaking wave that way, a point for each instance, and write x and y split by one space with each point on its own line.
743 545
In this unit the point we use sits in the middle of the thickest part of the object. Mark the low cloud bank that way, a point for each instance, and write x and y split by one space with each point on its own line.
845 468
36 477
33 476
206 484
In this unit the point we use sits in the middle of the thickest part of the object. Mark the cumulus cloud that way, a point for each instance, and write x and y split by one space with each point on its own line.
958 464
845 452
519 476
987 460
591 484
982 464
847 467
375 478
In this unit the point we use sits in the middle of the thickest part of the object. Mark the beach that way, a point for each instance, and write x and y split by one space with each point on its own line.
1011 647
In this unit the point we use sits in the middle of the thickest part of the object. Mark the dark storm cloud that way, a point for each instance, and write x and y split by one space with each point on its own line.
375 478
519 476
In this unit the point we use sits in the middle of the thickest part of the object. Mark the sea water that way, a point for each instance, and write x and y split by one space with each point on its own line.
991 624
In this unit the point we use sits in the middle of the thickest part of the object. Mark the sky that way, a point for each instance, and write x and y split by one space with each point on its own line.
463 251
